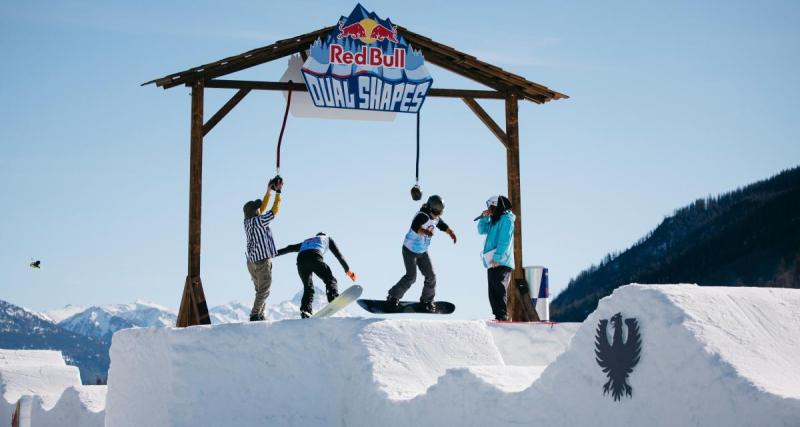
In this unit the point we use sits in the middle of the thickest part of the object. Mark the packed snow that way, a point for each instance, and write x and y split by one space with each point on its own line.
709 356
53 389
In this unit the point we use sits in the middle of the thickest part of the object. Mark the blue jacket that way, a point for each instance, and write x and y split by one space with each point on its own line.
499 237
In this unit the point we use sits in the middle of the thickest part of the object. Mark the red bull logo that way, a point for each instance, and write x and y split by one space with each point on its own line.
365 63
359 30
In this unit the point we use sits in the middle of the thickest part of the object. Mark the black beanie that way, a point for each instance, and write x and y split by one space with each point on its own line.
251 208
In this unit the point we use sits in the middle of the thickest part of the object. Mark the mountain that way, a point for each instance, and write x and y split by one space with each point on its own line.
236 311
83 334
748 237
102 321
21 329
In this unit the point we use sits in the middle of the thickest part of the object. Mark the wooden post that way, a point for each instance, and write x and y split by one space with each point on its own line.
193 309
519 304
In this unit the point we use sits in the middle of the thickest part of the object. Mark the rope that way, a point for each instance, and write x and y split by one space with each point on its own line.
283 127
417 175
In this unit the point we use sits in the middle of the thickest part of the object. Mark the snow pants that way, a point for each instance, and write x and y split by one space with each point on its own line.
499 278
413 260
261 274
308 263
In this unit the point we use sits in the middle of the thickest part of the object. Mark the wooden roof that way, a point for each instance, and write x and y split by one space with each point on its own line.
435 53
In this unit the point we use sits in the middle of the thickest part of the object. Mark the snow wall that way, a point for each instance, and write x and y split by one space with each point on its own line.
709 356
57 396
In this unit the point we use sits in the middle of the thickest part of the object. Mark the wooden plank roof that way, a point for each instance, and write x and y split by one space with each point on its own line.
434 52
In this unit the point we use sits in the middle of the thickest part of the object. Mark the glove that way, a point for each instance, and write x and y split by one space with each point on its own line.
351 275
452 235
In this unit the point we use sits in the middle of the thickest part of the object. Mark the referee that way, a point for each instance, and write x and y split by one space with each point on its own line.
260 246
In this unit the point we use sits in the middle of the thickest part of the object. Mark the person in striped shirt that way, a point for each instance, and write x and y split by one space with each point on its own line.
260 245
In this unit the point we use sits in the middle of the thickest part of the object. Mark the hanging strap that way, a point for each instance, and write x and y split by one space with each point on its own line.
283 127
417 175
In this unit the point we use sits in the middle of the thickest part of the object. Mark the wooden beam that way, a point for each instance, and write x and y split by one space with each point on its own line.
520 307
487 120
219 115
301 87
193 308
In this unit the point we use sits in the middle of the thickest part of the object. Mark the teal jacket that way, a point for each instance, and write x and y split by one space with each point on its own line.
499 237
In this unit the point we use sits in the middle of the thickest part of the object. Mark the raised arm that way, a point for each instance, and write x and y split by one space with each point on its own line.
288 249
276 206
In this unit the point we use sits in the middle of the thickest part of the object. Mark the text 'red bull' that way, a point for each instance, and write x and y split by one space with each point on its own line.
373 57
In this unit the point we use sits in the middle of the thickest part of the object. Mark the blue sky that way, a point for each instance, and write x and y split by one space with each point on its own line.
670 101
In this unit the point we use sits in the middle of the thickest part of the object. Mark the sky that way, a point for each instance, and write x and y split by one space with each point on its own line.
669 102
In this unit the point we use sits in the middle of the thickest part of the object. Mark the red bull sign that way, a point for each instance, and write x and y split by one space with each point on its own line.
365 64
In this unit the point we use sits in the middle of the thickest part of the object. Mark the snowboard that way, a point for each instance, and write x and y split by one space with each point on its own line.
343 300
378 306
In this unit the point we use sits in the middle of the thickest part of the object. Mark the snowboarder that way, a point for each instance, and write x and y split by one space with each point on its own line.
497 223
415 255
260 245
309 260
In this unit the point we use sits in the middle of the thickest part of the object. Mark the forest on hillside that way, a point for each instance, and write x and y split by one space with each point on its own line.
748 237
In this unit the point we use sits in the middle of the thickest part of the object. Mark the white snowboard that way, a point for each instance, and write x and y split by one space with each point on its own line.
343 300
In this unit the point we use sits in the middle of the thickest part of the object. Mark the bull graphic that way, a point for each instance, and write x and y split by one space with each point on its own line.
380 32
355 30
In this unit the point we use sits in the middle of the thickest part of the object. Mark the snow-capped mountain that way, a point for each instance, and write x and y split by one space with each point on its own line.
236 311
59 314
21 329
102 321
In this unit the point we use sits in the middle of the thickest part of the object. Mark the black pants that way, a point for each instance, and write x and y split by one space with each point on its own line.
412 261
499 278
309 262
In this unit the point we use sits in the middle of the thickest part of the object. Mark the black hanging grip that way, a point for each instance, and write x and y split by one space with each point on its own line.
274 182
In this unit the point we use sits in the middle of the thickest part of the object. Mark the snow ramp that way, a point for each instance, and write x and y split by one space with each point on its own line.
708 356
50 388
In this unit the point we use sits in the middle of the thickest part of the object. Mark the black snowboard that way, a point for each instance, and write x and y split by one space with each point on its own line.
379 307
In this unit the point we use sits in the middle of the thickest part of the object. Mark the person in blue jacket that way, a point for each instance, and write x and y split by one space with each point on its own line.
497 223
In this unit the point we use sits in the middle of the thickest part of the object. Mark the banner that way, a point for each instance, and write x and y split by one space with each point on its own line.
366 64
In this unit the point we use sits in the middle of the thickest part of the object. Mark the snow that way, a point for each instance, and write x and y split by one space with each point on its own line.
296 372
59 314
710 356
59 399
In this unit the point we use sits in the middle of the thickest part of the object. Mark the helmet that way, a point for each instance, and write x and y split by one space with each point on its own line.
435 204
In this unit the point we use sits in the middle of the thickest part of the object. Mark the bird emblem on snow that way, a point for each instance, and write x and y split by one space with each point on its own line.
618 358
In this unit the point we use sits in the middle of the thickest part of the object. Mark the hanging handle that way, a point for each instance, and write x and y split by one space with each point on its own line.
416 192
283 128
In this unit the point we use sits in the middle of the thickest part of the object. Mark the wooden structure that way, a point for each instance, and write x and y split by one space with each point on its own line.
505 86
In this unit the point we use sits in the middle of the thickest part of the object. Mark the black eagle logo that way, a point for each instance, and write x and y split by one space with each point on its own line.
618 358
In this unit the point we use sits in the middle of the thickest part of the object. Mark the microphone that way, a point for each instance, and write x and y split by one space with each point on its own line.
478 217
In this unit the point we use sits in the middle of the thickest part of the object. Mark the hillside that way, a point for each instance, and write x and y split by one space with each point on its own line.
748 237
23 330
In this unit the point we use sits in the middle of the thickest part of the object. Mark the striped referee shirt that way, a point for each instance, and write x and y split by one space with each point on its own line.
259 237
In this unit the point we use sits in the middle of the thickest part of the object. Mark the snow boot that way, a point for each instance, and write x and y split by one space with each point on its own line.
332 295
257 317
428 306
392 304
306 312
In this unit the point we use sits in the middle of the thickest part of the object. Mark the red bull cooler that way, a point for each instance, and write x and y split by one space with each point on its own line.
537 278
